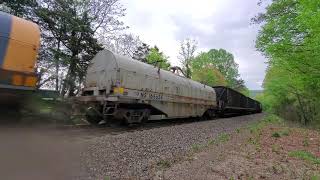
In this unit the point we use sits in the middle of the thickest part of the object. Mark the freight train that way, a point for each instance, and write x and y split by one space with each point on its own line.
124 89
116 87
19 45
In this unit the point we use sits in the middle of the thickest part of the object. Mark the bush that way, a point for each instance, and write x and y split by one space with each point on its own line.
276 135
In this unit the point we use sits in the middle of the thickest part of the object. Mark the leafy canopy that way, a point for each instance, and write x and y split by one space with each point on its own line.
223 62
157 58
290 38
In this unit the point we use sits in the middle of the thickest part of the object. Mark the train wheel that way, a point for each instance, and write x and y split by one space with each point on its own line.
136 116
93 116
209 115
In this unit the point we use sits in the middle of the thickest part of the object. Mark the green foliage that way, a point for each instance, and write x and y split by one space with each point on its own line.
157 58
223 61
217 67
209 76
289 38
269 119
285 132
305 156
255 93
196 147
222 138
315 177
69 36
238 130
17 7
276 134
164 164
305 142
244 90
275 148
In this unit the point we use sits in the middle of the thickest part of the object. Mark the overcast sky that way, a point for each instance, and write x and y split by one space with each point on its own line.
213 23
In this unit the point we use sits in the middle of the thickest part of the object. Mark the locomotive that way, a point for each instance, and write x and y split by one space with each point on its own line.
121 88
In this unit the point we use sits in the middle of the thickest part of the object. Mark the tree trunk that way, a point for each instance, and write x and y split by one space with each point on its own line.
304 115
57 66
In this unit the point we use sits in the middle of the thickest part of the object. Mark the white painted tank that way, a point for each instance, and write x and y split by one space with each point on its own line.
172 94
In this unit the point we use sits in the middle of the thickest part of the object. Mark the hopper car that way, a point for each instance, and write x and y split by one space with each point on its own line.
230 101
121 88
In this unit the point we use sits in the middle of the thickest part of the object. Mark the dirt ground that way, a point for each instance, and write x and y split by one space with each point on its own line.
268 151
50 152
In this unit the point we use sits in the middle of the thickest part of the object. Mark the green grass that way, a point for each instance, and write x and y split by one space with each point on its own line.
222 138
315 177
238 130
276 148
305 156
164 164
285 132
196 147
305 142
276 135
269 119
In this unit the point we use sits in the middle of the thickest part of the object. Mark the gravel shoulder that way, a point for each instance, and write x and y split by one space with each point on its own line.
140 154
37 152
267 151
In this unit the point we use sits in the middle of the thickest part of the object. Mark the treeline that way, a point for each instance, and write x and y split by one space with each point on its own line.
213 68
73 31
290 39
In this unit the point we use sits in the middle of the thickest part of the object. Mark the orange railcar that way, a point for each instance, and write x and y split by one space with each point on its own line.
19 45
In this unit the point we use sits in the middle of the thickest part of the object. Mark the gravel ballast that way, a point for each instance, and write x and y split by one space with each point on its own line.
134 155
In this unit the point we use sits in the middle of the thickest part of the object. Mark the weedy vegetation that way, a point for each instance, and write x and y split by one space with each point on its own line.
276 148
197 147
222 138
315 177
164 164
305 156
276 135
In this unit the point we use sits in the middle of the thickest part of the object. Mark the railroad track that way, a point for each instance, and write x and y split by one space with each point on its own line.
86 130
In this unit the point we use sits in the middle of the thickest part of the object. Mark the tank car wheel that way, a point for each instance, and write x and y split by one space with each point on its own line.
93 116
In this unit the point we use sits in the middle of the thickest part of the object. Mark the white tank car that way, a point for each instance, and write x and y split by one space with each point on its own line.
118 87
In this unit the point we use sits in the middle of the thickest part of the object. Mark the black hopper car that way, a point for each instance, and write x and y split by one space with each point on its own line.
230 101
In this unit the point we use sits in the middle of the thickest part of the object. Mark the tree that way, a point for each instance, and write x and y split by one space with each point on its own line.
70 32
223 61
123 44
241 87
71 24
289 38
18 8
187 51
141 52
209 76
157 58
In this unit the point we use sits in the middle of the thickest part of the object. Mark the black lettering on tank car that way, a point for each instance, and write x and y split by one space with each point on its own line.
143 94
155 96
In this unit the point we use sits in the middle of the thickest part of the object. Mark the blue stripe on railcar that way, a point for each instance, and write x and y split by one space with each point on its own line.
5 29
